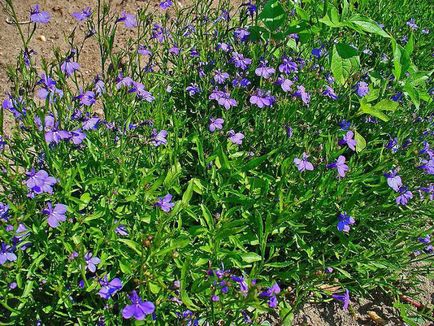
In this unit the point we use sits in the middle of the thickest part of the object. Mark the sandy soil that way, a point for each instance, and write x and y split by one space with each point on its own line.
54 33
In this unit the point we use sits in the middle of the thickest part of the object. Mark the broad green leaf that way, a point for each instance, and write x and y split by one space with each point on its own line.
332 18
368 109
368 25
273 15
401 60
386 105
360 142
344 62
184 294
250 257
132 245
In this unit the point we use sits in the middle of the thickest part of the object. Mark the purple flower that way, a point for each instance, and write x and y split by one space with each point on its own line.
349 140
124 82
121 230
339 165
15 106
393 144
2 143
220 77
241 34
215 124
330 93
4 212
302 164
69 67
427 166
224 47
99 86
344 124
73 255
274 289
87 98
215 298
138 308
240 82
262 99
239 61
301 92
362 89
82 15
52 134
141 92
288 66
49 89
271 294
165 203
166 4
412 24
393 180
264 71
6 253
193 89
142 50
91 262
344 222
37 16
158 138
174 50
224 99
329 270
425 240
158 32
244 288
289 131
40 182
91 123
344 298
77 136
404 196
272 302
108 289
285 84
318 52
56 215
128 19
236 138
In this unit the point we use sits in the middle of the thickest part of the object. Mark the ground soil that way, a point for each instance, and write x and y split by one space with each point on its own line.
54 34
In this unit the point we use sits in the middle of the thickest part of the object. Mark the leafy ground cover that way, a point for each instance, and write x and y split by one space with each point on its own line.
226 166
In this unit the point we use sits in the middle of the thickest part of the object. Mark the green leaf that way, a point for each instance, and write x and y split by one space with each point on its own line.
85 199
409 47
186 197
360 142
401 60
332 18
376 110
184 294
133 245
250 257
253 163
344 62
125 267
273 15
386 105
368 25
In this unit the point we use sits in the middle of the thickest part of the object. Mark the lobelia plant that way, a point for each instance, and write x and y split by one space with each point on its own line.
225 164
